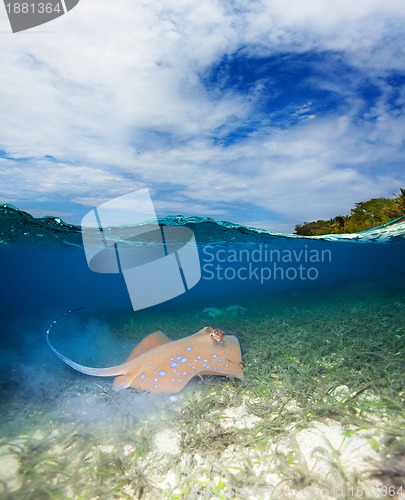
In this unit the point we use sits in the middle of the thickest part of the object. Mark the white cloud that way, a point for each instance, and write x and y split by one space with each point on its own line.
115 94
37 179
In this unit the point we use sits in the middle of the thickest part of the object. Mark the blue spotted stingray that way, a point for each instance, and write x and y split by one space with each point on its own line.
159 364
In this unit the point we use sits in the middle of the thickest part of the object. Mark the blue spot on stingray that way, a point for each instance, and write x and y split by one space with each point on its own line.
184 373
189 349
142 376
179 357
156 380
183 360
162 373
172 380
174 364
214 355
198 357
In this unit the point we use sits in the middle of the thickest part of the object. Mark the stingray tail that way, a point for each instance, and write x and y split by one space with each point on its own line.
112 371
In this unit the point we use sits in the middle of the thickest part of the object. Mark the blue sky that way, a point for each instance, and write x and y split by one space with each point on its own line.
264 112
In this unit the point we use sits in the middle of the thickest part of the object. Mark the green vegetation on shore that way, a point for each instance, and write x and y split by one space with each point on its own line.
365 215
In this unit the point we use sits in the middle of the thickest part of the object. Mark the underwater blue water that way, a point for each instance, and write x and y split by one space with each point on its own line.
313 316
44 266
44 270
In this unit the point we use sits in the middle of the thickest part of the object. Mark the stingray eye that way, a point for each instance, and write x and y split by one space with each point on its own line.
217 335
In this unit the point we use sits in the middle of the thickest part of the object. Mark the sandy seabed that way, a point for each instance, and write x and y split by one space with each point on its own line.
320 413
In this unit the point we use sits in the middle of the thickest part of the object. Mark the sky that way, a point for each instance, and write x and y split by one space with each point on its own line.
267 113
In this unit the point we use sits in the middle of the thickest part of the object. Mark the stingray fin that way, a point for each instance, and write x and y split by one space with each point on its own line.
123 381
153 340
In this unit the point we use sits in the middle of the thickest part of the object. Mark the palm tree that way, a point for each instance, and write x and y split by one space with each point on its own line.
400 201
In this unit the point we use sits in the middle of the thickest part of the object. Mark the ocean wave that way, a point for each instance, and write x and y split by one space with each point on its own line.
19 227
